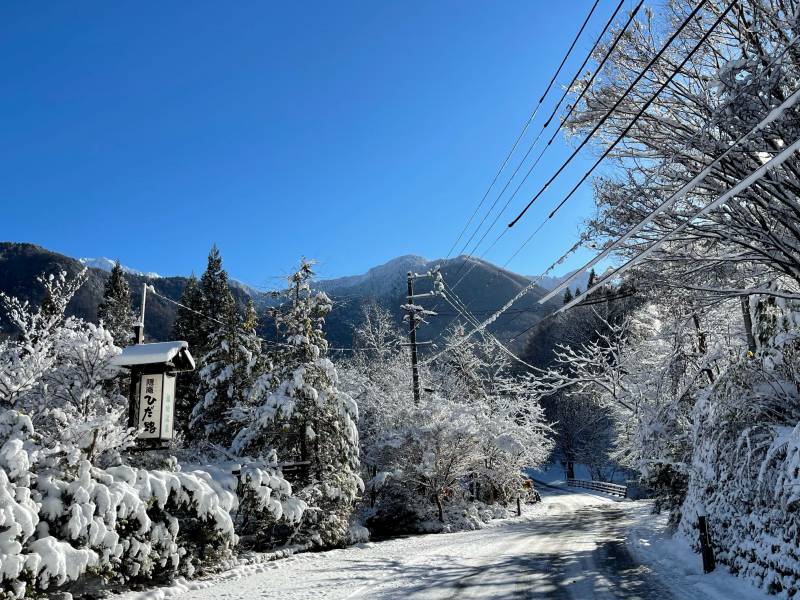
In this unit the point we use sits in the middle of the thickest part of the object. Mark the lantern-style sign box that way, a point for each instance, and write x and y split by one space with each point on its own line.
152 392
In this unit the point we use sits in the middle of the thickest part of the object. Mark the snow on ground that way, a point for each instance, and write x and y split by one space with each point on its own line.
574 545
651 544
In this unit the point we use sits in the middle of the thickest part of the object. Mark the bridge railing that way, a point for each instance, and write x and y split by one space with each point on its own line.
600 486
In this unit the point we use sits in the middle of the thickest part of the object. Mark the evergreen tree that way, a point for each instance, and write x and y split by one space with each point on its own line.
188 327
568 296
218 302
188 324
231 368
578 291
592 279
250 316
308 418
115 309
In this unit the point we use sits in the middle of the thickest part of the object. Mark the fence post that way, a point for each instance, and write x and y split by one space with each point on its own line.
709 562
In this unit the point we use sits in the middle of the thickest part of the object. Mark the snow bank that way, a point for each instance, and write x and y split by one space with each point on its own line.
673 558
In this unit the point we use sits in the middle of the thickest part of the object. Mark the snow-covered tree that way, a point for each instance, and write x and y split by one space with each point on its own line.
217 299
729 85
115 310
230 371
468 440
189 328
307 417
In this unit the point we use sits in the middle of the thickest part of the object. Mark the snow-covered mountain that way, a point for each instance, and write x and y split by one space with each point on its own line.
378 281
549 282
482 286
106 264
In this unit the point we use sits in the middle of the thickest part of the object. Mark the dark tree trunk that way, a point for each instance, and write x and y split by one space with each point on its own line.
748 324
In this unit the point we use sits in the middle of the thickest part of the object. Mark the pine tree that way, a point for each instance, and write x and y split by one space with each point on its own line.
115 309
578 291
231 368
188 327
568 296
218 302
308 418
592 279
250 317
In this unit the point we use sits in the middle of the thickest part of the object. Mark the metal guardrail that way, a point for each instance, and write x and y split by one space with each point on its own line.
600 486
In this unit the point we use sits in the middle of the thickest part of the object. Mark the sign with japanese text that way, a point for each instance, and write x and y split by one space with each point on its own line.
156 406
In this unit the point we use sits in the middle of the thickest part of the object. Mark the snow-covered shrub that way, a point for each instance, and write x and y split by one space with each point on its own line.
428 465
75 508
746 470
19 514
119 524
266 511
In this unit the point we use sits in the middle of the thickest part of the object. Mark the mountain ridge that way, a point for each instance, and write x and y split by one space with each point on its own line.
480 285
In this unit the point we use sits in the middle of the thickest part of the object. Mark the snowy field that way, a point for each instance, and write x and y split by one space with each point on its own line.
572 545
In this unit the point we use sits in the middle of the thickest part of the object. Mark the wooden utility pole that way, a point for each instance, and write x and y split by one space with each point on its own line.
138 329
136 372
412 334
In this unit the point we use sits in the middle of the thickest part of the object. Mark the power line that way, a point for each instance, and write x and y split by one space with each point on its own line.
515 298
776 161
768 119
586 302
544 127
497 342
215 320
680 193
519 138
616 105
642 110
621 135
600 65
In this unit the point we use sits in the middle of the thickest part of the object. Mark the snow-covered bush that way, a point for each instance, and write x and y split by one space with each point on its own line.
426 466
745 474
266 511
75 508
19 514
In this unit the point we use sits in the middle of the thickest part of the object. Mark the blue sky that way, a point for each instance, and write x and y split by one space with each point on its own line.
348 132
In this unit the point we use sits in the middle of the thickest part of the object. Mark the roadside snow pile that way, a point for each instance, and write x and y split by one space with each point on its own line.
466 516
672 557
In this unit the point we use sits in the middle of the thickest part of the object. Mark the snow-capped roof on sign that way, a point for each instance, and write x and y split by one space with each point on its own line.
159 352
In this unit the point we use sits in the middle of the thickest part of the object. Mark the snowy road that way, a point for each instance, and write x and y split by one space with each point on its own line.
569 546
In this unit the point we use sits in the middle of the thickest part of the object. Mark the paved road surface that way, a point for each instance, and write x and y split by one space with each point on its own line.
571 546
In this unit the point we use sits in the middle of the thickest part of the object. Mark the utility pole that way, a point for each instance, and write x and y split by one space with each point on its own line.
412 334
416 315
138 329
136 372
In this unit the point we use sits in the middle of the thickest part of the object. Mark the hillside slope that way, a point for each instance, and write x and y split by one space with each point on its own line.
484 288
